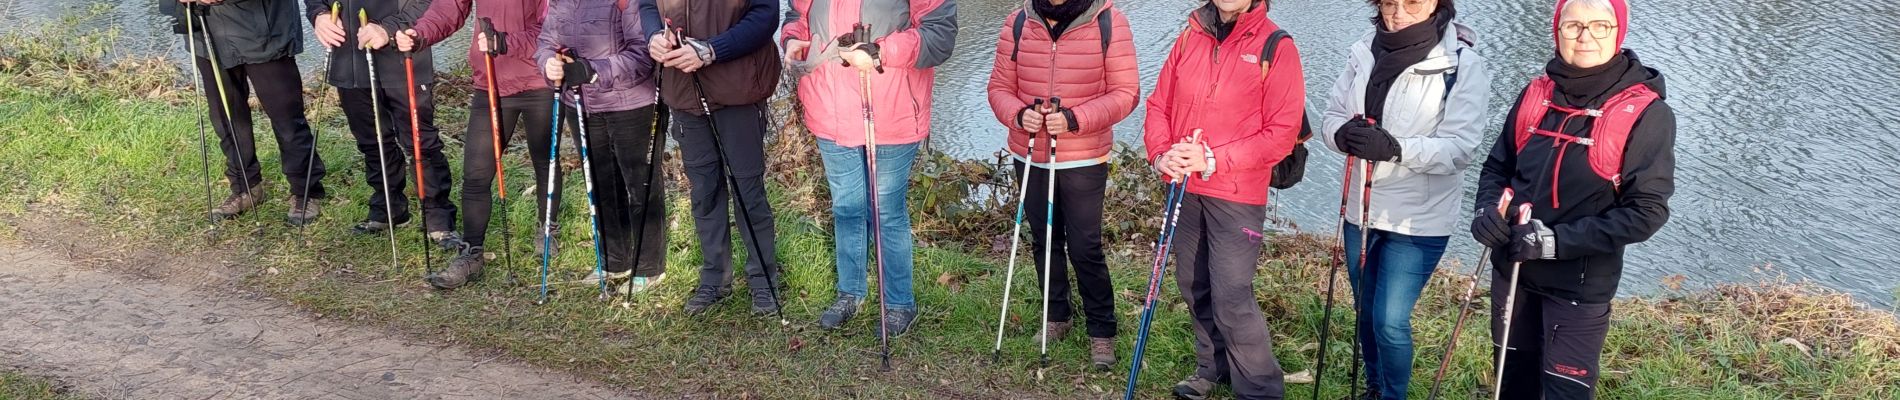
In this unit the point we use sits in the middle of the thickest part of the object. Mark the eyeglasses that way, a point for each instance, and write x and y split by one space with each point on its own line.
1598 29
1389 7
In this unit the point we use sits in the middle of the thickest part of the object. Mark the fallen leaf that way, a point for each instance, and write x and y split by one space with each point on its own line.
1797 346
1308 347
1300 377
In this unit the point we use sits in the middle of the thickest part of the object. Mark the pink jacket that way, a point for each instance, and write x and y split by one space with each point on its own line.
1249 113
911 48
1099 85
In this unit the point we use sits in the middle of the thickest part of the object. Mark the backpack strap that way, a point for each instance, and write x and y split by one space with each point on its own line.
1612 130
1272 46
1016 33
1451 77
1106 21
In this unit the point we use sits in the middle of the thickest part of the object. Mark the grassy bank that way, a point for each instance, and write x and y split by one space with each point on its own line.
114 146
17 386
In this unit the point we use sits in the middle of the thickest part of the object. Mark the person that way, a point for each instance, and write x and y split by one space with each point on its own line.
725 47
1417 76
906 40
1217 122
255 42
522 102
1081 54
597 48
348 39
1598 98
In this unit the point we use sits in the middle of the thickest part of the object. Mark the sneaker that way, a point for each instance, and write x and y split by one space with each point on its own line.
764 302
448 240
465 268
372 226
612 277
1102 353
541 242
899 321
840 311
1367 395
704 297
303 210
238 203
1057 330
639 284
1193 388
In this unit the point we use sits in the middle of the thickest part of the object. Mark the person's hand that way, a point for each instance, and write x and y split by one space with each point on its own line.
661 43
795 50
554 68
1368 142
1030 118
1166 166
1533 241
862 56
481 42
406 41
1491 228
329 30
372 36
1056 121
1188 156
695 54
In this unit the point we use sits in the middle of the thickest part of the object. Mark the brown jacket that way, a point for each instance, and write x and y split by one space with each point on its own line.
731 79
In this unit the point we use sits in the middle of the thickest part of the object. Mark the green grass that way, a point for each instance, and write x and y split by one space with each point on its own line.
119 150
14 386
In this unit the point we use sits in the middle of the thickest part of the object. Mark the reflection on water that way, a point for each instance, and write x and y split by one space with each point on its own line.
1788 124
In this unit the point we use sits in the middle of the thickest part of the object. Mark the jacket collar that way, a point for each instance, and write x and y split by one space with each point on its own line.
1203 19
1094 11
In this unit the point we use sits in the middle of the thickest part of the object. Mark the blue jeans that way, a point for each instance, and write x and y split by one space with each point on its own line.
1401 265
850 209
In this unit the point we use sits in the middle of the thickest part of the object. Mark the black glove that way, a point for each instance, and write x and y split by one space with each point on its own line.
1367 142
1533 241
497 41
1491 228
1339 136
857 36
576 71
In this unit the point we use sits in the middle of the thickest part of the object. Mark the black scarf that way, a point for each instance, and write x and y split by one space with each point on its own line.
1587 87
1394 52
1061 15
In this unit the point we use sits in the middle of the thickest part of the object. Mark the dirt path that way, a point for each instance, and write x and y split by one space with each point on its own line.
112 335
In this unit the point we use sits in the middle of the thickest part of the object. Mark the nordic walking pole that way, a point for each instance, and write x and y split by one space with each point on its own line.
587 166
646 185
1464 310
870 177
204 146
732 181
1164 244
1332 277
382 162
1015 239
547 214
1365 237
224 103
310 164
1048 236
415 149
494 140
1510 305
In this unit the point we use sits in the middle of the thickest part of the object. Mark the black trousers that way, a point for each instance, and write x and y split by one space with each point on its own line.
628 191
1077 240
530 111
398 149
1555 344
280 90
1216 248
742 130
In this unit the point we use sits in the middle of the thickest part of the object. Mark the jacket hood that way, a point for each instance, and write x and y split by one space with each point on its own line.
1094 11
1205 18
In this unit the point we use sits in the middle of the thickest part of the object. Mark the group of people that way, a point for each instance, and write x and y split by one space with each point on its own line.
1408 111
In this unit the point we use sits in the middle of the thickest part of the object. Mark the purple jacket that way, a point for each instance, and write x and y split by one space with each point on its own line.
609 38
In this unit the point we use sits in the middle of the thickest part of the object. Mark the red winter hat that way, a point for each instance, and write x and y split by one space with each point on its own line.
1619 7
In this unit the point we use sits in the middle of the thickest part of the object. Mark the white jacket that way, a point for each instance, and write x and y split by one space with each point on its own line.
1438 133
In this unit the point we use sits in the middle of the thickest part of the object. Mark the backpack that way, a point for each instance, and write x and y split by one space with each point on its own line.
1609 131
1292 169
1104 20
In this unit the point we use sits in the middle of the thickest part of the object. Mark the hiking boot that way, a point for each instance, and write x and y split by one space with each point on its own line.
840 311
898 321
303 210
448 240
1193 388
1057 330
1102 353
465 268
541 242
1367 395
704 297
764 302
372 226
238 203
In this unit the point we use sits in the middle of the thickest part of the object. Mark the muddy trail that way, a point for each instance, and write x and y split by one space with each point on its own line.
118 323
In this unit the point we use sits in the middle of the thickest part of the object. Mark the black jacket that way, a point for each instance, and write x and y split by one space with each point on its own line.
1596 220
348 69
244 31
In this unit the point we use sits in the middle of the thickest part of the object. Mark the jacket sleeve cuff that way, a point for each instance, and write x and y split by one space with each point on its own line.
1069 114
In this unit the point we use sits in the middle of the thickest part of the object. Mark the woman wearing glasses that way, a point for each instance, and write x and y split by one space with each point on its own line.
1590 148
1410 105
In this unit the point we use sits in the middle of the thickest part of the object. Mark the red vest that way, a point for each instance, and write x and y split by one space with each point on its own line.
1608 133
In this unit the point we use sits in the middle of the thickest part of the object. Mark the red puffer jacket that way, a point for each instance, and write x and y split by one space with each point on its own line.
1248 121
1099 85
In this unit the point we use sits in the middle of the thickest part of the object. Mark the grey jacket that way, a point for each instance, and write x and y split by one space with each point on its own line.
244 31
1437 111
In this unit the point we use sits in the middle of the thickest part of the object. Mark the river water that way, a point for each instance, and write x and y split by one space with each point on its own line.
1788 122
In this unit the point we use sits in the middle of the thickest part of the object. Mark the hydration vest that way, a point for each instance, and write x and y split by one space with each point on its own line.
1609 131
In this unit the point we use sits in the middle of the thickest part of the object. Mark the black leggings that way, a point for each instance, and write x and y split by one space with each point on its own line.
530 111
